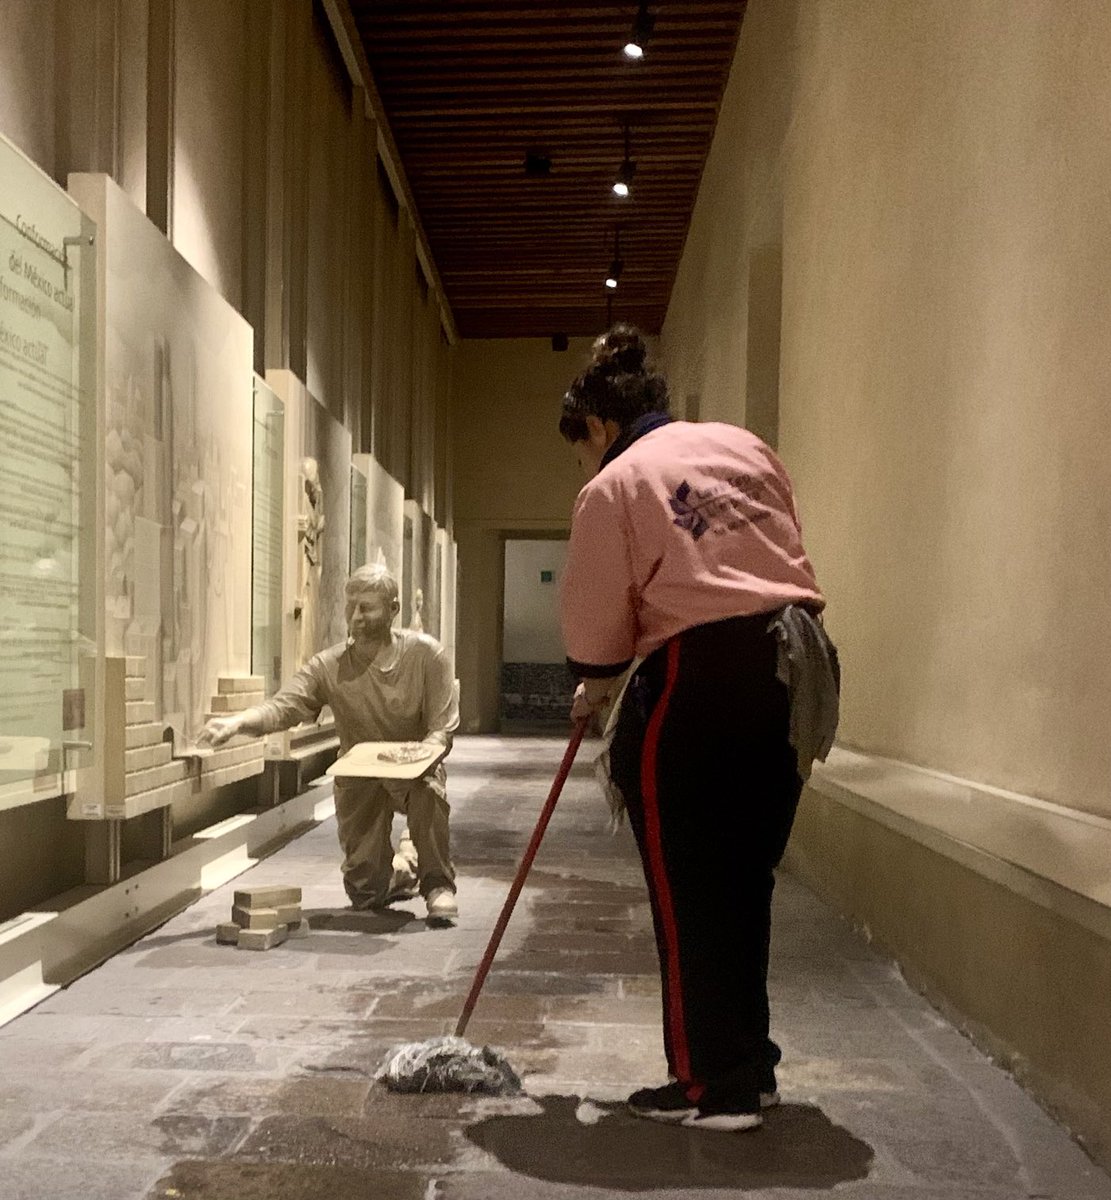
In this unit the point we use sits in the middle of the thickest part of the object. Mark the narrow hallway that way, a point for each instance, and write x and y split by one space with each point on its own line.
181 1068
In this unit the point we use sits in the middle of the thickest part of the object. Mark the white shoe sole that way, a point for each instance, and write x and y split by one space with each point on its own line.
668 1116
725 1122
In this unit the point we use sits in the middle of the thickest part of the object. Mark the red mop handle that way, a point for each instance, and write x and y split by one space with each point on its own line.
522 872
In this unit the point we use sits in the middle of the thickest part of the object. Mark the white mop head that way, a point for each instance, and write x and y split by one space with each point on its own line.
448 1064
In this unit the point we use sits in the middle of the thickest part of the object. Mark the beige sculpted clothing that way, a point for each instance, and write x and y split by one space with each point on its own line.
407 695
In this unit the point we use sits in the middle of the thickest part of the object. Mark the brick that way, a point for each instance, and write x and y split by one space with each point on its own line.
134 689
300 930
227 933
289 914
255 918
156 777
145 734
262 939
228 684
139 712
267 897
235 702
135 666
142 802
143 758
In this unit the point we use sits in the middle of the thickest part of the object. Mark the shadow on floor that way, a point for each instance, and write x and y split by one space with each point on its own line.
349 920
798 1147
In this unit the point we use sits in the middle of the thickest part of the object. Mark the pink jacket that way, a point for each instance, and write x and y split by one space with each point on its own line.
690 524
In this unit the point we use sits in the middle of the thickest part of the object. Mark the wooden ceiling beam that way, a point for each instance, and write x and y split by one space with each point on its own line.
471 85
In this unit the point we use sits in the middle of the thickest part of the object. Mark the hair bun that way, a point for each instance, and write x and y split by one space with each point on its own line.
621 349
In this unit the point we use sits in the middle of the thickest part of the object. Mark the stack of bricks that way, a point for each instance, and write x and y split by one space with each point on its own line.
236 693
232 763
151 777
263 917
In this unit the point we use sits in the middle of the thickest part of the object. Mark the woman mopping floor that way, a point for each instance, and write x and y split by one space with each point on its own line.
686 553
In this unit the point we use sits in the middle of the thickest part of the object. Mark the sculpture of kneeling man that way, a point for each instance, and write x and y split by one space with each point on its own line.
383 684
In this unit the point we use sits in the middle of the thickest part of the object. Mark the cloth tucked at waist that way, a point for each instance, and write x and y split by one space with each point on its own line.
808 665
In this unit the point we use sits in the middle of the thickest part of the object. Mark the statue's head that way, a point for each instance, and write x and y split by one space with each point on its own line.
374 581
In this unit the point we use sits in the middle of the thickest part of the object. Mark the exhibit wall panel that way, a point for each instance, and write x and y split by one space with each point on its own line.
49 485
178 445
358 539
318 522
385 515
269 532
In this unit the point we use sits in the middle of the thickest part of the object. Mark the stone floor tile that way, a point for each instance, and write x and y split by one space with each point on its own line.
283 1181
86 1091
32 1178
189 1070
100 1137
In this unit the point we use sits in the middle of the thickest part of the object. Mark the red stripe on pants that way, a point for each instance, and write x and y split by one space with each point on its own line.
673 980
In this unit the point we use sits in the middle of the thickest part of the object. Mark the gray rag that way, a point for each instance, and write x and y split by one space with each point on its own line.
807 664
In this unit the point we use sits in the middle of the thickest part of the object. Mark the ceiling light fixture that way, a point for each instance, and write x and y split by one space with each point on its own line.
617 266
622 185
642 31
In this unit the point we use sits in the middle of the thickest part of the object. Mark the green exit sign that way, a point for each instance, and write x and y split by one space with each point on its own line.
547 576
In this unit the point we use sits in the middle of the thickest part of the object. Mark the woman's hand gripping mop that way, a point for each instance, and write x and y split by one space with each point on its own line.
452 1064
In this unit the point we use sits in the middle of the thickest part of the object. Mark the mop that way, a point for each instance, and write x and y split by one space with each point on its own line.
452 1064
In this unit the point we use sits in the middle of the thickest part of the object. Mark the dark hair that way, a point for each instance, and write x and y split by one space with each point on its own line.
617 386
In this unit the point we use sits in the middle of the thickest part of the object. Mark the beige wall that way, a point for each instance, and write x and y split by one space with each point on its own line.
26 61
513 474
933 179
210 101
935 176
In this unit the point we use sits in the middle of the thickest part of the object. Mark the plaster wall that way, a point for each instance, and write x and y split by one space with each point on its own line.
934 177
26 69
210 102
513 473
932 181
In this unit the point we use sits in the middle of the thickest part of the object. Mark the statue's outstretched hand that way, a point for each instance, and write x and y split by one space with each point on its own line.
218 731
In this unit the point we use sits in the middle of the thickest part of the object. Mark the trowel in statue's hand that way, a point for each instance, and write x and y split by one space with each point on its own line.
180 748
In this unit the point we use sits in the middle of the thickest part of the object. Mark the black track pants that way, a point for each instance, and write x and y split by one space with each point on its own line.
702 757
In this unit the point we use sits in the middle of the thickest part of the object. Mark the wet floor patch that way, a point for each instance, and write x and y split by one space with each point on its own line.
798 1147
284 1181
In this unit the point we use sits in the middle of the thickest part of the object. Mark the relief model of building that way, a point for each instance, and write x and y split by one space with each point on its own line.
310 549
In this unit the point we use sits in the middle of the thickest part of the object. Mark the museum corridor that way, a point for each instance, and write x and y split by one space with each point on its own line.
324 431
185 1069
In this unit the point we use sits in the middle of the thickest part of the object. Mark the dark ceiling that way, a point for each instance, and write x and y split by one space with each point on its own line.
471 86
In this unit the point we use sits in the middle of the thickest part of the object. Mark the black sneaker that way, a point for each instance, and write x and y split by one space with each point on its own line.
668 1103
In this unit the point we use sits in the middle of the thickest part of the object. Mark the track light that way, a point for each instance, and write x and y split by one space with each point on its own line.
642 31
622 185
